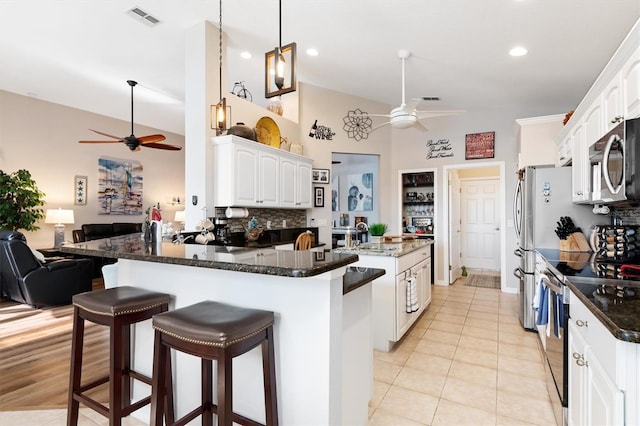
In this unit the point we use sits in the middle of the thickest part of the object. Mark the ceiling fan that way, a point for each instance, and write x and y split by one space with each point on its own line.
134 143
407 115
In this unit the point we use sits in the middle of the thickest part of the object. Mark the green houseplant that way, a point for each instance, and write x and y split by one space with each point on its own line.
20 201
377 230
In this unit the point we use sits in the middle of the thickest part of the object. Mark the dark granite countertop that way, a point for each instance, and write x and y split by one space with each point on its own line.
618 309
356 277
269 261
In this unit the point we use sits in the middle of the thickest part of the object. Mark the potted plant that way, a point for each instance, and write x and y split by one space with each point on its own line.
377 230
20 201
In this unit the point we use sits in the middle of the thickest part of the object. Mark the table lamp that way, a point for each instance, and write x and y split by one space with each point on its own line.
179 218
59 217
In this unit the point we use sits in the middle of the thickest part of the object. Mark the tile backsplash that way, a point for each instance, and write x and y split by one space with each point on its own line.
628 215
294 218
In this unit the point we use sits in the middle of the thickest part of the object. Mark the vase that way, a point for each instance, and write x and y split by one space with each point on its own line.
376 238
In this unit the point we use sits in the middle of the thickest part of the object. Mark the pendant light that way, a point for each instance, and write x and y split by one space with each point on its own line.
220 113
280 76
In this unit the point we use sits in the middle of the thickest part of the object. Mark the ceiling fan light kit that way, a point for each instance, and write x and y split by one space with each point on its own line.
134 143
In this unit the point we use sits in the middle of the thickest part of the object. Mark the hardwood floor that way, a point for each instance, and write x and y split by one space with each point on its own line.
35 348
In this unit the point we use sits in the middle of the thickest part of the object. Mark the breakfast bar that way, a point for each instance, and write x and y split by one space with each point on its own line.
323 335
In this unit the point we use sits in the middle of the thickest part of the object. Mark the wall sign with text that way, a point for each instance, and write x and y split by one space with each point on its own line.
480 145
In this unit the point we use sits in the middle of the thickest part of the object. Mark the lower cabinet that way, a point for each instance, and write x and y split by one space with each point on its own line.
390 317
603 372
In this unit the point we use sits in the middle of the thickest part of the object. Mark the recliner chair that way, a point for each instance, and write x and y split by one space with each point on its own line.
24 279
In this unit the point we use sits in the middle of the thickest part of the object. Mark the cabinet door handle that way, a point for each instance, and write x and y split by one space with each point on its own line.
578 192
581 323
580 360
617 119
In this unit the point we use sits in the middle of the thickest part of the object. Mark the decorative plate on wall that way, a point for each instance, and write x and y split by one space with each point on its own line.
267 132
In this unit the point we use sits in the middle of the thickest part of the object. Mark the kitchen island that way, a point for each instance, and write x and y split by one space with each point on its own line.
408 275
323 332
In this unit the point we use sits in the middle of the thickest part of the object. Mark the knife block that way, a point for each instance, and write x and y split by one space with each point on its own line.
576 242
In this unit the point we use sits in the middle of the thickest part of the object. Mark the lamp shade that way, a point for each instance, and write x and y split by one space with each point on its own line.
179 217
59 216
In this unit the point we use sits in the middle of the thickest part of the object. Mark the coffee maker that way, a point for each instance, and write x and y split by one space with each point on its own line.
221 229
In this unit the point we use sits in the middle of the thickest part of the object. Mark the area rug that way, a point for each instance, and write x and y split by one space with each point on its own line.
486 281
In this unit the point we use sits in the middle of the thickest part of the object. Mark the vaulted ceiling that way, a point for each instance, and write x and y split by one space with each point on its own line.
80 53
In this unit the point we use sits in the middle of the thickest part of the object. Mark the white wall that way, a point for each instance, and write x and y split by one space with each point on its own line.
42 137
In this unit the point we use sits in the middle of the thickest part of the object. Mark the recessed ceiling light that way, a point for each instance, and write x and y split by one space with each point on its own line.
312 52
245 55
518 51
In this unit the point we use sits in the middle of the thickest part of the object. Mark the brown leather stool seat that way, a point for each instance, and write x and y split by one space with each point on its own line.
116 308
214 331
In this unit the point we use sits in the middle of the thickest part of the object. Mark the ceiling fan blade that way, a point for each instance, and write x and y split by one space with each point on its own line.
379 125
379 115
150 139
420 126
162 146
99 141
107 134
431 114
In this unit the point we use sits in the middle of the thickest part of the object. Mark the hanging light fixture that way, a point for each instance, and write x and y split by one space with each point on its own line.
219 114
280 67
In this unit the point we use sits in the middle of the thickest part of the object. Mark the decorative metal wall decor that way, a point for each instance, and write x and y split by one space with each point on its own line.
80 189
321 132
480 145
119 186
357 124
439 149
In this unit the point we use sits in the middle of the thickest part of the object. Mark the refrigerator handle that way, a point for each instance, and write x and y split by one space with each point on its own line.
517 273
518 252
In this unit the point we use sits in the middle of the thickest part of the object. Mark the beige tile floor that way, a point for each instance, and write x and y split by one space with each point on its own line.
466 361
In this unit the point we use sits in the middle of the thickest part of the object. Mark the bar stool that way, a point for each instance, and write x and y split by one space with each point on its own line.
214 331
116 308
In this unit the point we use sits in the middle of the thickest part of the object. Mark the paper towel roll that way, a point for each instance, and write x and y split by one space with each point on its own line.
236 212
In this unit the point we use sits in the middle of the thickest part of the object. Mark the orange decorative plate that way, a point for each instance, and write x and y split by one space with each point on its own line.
267 132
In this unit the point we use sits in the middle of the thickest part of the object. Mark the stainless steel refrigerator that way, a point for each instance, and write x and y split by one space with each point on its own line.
543 195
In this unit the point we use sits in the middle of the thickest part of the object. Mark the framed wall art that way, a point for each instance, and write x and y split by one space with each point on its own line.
318 197
479 145
319 175
80 190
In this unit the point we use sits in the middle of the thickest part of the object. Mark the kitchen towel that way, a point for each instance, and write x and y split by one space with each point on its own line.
543 304
412 295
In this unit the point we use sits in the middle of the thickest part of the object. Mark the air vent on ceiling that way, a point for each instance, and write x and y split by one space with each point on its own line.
431 98
141 15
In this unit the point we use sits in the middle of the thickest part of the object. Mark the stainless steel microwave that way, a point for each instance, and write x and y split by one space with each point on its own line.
615 159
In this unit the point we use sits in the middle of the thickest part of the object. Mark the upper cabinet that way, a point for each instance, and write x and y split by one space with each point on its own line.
615 96
249 174
536 136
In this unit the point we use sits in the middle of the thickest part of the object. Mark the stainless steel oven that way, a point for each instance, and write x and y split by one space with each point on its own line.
556 296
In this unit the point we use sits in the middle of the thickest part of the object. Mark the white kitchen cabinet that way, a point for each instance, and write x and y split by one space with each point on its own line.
580 173
603 372
390 319
249 174
593 127
536 136
565 151
612 105
630 81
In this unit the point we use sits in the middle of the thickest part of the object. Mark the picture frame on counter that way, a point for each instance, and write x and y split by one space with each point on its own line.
318 198
320 175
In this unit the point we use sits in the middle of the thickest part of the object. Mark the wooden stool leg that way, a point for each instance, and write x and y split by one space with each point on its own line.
225 391
207 392
75 371
126 366
169 411
159 389
269 371
115 373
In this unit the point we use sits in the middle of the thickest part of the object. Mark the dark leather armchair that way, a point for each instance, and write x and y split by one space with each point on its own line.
24 279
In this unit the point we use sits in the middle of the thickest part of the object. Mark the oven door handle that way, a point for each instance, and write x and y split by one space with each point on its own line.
605 163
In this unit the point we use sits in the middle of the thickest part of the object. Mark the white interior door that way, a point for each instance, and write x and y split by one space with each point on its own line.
480 223
454 227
